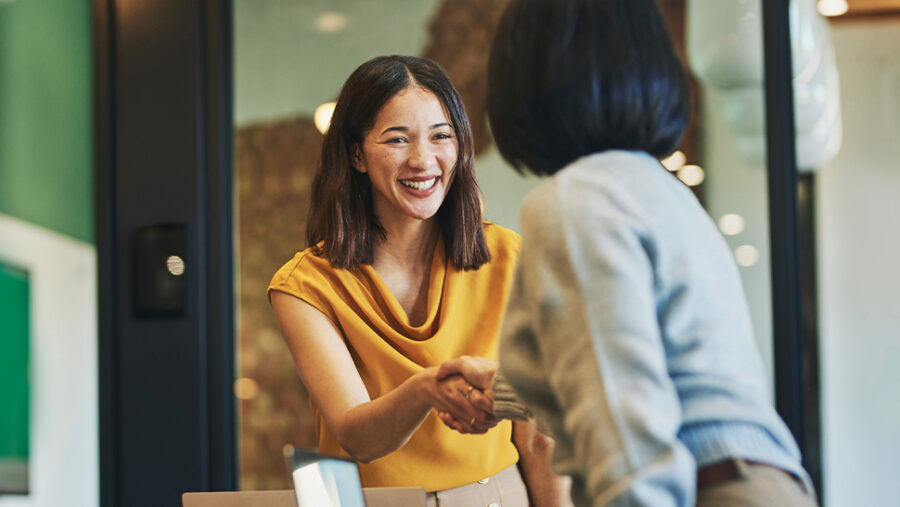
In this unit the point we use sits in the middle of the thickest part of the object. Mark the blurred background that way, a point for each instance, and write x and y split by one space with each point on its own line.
82 371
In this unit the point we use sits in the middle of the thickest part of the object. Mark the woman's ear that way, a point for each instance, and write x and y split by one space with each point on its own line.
356 160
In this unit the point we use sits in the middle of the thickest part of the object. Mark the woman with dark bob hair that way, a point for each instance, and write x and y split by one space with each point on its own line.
401 275
627 330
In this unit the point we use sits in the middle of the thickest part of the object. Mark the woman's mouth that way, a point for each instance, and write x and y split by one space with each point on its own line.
419 184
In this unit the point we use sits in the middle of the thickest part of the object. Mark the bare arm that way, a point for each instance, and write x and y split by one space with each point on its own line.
545 489
367 429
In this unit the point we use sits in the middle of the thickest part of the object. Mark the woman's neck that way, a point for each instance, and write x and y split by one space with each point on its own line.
408 242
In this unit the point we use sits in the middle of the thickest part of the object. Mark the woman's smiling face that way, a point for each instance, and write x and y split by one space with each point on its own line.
410 155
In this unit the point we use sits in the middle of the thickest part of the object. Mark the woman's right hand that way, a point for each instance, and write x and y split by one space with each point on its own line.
478 372
458 401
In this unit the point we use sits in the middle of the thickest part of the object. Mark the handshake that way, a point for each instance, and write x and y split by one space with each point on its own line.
466 384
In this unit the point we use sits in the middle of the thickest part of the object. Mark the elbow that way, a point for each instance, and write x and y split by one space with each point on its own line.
362 459
357 452
363 450
362 454
531 442
363 442
542 445
367 449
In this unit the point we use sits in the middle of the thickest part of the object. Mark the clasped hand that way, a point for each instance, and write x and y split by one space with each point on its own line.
469 403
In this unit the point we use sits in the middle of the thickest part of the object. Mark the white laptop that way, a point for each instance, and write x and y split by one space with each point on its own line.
319 481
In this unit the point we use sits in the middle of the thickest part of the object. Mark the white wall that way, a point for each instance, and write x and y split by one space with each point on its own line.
859 274
63 457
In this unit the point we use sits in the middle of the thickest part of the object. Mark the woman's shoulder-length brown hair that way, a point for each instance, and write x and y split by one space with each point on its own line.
341 226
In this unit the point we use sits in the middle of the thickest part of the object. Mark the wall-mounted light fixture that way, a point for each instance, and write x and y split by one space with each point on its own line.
832 7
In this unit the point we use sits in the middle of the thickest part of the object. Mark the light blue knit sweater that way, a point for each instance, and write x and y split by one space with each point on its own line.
628 333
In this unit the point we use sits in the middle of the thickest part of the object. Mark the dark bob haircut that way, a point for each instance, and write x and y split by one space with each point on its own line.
342 226
575 77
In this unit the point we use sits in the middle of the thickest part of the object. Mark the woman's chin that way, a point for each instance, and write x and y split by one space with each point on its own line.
422 210
422 214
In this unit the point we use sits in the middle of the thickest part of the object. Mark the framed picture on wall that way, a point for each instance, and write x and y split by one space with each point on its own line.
15 339
49 447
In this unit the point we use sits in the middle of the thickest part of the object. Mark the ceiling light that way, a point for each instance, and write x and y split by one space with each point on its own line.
691 175
731 224
322 116
674 161
746 255
331 22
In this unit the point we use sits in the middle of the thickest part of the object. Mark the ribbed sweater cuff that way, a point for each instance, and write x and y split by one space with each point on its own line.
508 406
714 441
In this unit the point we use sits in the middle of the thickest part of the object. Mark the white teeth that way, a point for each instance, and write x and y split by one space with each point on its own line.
419 185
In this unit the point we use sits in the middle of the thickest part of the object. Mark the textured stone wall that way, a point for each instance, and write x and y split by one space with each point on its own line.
275 167
459 40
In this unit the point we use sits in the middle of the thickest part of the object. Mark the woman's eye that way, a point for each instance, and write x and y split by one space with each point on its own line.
396 140
442 135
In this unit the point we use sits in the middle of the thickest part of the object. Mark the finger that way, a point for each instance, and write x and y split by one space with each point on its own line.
468 426
451 367
453 392
482 402
447 419
482 426
481 429
458 426
453 423
488 424
479 372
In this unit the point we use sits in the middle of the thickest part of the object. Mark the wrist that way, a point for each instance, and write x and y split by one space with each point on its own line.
426 385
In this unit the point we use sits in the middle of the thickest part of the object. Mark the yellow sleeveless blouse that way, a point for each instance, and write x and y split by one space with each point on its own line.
465 310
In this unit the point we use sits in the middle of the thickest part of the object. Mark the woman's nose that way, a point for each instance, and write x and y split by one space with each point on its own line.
422 156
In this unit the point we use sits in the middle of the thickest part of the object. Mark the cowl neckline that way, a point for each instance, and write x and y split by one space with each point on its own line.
396 316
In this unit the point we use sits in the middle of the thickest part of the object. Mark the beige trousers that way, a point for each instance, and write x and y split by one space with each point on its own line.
757 486
505 489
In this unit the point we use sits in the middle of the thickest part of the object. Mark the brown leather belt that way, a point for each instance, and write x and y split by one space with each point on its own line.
727 470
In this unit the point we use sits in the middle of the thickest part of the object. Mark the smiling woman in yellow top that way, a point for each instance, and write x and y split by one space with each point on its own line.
403 275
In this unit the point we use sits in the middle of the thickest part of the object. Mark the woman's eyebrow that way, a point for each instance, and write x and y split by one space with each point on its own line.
400 128
406 129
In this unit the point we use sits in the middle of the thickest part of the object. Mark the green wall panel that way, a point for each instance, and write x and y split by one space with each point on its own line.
46 161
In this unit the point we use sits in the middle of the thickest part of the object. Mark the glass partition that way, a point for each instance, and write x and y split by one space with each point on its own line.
290 59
